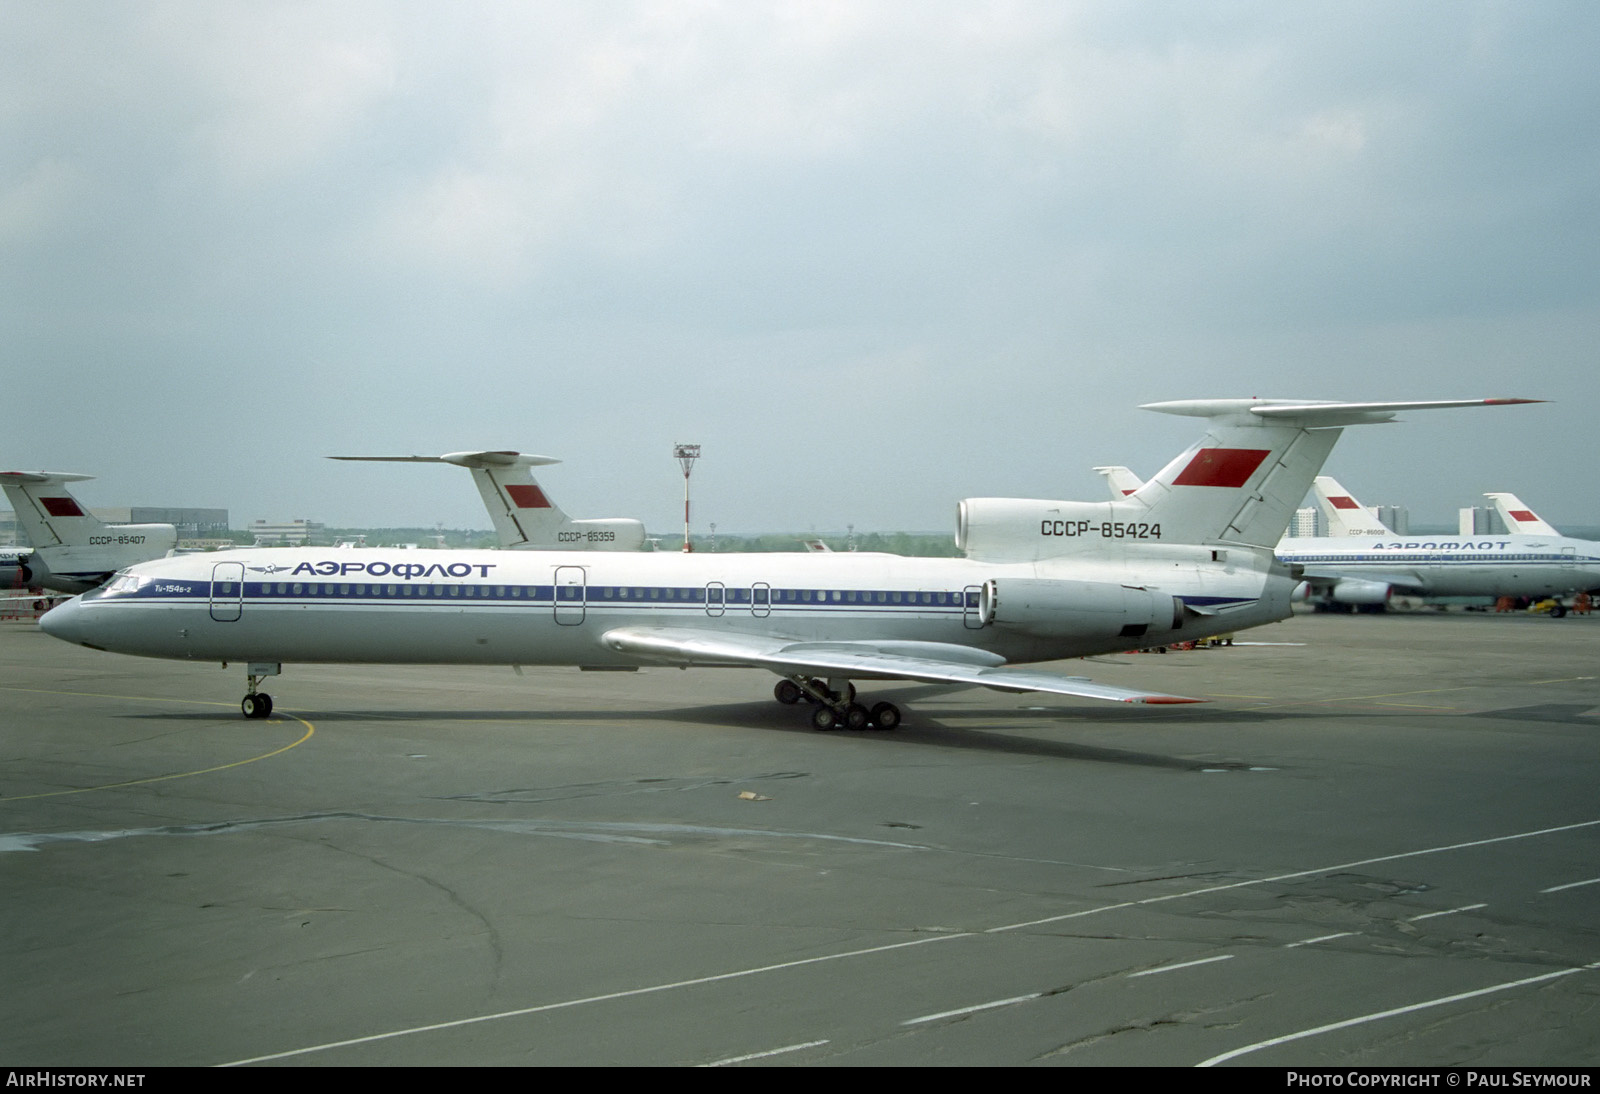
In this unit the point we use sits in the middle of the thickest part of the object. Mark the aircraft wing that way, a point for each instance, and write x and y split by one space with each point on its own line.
1398 579
926 662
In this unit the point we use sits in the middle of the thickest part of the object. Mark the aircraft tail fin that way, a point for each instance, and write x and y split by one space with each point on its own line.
524 516
1120 481
69 542
1239 484
46 509
1345 515
1244 479
1518 517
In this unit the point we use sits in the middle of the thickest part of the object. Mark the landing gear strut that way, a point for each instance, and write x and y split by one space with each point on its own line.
257 704
835 703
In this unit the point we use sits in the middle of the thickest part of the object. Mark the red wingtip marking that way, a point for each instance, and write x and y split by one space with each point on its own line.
1172 699
527 496
1509 402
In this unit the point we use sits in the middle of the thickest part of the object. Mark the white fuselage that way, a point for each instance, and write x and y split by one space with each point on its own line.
501 607
1508 565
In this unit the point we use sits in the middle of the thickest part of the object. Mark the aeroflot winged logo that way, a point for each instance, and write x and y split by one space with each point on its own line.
1230 467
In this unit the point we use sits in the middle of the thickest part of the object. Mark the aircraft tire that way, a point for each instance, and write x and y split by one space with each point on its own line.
257 705
787 692
886 716
856 716
824 719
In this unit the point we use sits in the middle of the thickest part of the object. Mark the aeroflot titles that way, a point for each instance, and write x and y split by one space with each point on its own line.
407 570
1441 545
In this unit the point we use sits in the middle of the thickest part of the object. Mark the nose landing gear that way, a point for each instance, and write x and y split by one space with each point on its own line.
257 704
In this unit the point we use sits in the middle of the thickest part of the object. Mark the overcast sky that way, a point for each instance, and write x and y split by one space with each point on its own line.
874 257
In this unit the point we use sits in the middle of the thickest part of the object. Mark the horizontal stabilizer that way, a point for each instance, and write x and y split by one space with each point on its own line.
464 459
1312 414
20 477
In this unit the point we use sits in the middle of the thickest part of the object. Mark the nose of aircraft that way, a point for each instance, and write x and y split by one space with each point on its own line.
64 621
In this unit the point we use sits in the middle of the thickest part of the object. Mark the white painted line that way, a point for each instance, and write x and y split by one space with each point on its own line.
763 1055
564 1004
1348 1022
1571 885
1452 911
1185 965
1209 889
972 1009
1320 938
846 954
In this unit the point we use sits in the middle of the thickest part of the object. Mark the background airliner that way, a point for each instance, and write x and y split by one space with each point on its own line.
72 549
525 519
1188 554
1361 563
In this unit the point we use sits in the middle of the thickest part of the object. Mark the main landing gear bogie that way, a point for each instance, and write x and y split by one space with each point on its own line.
835 707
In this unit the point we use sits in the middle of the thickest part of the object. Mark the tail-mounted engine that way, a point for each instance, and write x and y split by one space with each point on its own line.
1073 609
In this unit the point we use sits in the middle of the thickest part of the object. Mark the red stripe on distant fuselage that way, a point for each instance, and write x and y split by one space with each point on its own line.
527 496
1231 467
61 507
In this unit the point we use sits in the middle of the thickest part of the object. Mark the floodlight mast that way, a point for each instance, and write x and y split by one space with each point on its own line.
686 454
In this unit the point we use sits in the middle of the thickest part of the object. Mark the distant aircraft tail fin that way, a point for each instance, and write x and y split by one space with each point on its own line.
46 509
70 544
1518 517
1344 514
1239 484
1120 481
524 517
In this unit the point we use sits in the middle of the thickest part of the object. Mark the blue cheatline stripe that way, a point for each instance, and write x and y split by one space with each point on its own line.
1442 560
903 601
653 596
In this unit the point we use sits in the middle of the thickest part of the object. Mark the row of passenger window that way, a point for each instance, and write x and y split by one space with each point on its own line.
758 596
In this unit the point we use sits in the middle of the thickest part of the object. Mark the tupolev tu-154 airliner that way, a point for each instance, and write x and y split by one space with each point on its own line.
1187 555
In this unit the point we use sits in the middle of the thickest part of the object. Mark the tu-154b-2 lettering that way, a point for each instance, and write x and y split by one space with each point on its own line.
1187 555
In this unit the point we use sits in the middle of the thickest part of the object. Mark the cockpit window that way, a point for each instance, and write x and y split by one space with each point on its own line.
122 583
